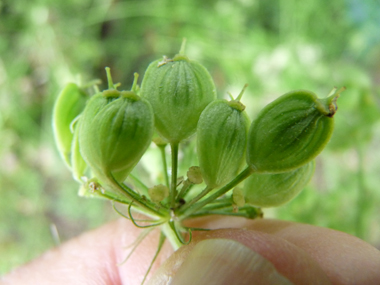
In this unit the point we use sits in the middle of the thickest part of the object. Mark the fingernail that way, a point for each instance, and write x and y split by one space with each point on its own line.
223 261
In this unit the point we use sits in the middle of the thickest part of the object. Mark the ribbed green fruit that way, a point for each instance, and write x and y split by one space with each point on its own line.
271 190
115 130
179 89
69 104
221 141
290 131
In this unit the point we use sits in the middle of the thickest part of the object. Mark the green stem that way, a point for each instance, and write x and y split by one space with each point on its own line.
113 197
246 212
171 236
135 244
221 213
217 206
185 189
239 178
138 200
241 93
164 164
197 198
173 186
159 247
139 183
109 78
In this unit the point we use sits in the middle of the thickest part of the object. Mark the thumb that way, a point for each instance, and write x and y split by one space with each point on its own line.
239 256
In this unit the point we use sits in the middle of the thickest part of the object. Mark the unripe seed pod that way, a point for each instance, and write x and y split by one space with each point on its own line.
69 104
115 130
291 131
271 190
178 89
221 141
158 193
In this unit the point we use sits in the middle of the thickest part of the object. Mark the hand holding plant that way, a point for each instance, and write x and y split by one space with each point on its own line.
103 140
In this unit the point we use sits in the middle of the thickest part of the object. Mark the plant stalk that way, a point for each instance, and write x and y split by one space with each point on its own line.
239 178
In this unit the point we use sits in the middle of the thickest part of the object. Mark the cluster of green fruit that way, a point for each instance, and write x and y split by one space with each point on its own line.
105 136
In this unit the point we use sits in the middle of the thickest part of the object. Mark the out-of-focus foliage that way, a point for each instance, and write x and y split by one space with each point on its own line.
274 46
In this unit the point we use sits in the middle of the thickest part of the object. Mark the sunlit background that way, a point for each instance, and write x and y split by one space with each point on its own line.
274 46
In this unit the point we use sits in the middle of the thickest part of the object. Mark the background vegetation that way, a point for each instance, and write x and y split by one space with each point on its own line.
274 46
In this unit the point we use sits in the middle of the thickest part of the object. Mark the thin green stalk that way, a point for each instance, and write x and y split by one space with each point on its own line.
136 243
217 206
94 189
203 193
158 223
173 185
222 213
139 183
159 247
239 178
136 198
127 217
171 236
245 212
164 165
178 235
104 194
185 189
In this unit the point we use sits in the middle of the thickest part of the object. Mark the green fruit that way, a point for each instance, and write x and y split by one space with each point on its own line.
271 190
115 130
69 104
290 131
78 165
221 141
178 89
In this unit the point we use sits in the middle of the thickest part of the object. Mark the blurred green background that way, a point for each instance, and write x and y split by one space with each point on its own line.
274 46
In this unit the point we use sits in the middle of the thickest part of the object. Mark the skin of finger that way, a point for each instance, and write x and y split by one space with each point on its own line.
289 260
345 258
93 258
